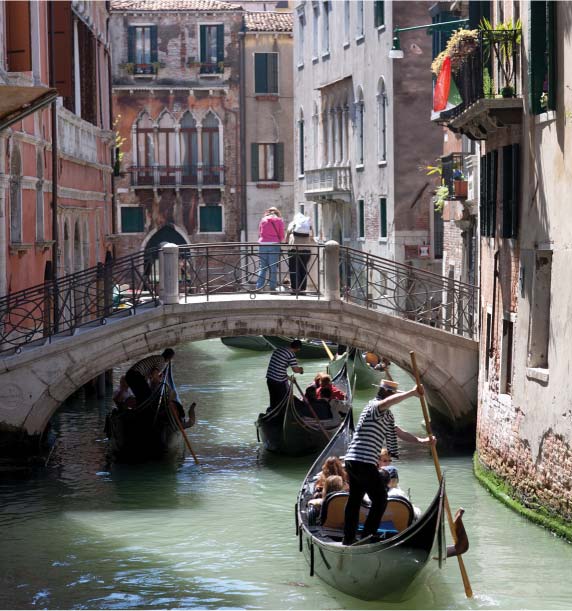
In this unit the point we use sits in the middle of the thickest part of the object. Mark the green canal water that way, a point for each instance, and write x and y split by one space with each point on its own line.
85 534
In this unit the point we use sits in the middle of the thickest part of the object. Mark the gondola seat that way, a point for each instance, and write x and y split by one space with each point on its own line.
333 510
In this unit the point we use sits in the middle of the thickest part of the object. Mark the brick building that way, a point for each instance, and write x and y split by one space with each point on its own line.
62 45
176 97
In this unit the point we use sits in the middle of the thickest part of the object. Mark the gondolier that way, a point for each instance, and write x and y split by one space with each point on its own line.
277 373
137 376
376 429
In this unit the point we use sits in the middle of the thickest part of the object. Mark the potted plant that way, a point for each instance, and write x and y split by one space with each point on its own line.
461 45
129 67
503 40
459 183
441 196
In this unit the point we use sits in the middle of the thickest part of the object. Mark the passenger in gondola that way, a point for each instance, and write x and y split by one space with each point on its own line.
313 387
277 373
137 376
335 392
384 459
394 491
332 466
122 394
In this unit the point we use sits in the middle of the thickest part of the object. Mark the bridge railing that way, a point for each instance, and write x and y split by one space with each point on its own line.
409 292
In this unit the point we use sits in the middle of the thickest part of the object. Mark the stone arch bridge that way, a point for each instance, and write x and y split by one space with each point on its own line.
82 333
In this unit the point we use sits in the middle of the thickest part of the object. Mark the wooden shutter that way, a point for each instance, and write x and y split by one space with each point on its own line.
379 17
493 184
153 36
220 43
254 162
261 73
131 31
272 77
279 162
301 145
515 189
63 48
507 195
18 43
203 44
537 57
483 195
551 52
382 217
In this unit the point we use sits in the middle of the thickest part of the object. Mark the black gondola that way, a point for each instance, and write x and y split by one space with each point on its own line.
291 427
378 570
147 431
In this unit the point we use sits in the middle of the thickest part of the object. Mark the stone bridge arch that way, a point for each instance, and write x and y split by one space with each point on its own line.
33 384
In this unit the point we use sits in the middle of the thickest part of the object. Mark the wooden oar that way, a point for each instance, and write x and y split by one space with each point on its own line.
328 351
182 429
313 412
464 575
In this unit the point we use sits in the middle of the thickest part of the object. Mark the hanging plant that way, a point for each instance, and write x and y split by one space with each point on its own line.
441 195
461 45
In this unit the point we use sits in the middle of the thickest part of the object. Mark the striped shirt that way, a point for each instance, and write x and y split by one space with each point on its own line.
375 430
281 359
145 366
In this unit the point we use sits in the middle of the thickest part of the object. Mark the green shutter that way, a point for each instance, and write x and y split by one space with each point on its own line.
203 44
131 44
537 57
379 16
507 191
261 73
154 56
551 52
301 145
254 162
272 78
132 220
361 219
382 217
220 43
279 162
494 185
515 189
483 195
210 219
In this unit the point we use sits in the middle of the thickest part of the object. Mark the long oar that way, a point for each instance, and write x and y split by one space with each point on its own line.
182 429
465 577
328 351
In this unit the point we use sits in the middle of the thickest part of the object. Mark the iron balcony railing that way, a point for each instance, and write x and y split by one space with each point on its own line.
119 287
211 67
491 71
177 176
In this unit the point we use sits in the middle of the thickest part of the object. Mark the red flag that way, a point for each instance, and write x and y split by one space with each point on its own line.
442 86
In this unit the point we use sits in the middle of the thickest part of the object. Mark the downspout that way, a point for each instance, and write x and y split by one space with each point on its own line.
110 89
242 143
54 113
493 315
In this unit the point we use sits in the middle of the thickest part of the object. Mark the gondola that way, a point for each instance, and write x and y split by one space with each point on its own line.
381 570
290 428
247 342
147 431
365 375
311 348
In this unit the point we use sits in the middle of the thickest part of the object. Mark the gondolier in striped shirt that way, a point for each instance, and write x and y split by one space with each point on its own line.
277 373
137 377
376 429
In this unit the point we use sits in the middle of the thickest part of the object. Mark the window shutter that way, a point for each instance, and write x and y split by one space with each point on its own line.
507 193
382 217
18 43
272 79
515 189
210 218
63 49
279 162
537 57
130 44
203 44
551 52
301 144
254 161
220 43
483 195
260 73
379 16
153 43
494 185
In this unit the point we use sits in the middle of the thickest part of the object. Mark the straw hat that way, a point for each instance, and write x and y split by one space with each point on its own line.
389 384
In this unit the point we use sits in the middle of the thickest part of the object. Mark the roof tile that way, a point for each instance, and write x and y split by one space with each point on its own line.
265 21
173 5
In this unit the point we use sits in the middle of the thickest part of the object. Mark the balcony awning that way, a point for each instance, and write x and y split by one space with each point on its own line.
19 102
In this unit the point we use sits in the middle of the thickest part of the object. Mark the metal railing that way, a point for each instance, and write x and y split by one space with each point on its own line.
177 175
36 315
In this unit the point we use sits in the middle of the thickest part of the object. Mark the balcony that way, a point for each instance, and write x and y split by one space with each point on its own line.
211 68
454 175
187 176
328 184
489 86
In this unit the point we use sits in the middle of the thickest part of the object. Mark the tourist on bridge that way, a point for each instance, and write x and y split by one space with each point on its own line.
137 376
375 430
300 236
277 373
270 236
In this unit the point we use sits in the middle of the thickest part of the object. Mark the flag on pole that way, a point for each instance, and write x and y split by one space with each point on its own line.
445 94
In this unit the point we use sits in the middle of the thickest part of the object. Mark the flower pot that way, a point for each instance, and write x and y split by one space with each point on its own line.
507 92
460 188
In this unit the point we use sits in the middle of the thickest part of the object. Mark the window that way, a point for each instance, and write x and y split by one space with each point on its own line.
40 197
378 13
326 27
359 19
347 224
438 233
539 331
211 150
506 359
301 30
88 69
488 205
488 344
142 48
381 121
62 30
266 73
346 22
267 161
145 150
542 56
166 149
210 218
316 134
301 144
189 149
18 39
316 15
382 218
212 49
132 219
361 218
360 127
510 190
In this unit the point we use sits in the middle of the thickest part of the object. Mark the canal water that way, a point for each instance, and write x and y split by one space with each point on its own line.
85 534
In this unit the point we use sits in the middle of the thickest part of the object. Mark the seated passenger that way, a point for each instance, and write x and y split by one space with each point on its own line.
332 466
122 394
326 382
332 483
315 384
322 407
393 490
384 459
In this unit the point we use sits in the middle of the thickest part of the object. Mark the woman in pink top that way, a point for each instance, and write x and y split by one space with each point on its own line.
270 235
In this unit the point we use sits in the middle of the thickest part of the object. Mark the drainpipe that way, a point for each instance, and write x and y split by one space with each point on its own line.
493 316
109 84
242 144
54 113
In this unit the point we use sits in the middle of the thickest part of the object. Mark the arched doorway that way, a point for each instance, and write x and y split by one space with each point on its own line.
167 233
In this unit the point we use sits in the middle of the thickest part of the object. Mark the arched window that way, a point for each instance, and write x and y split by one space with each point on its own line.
67 250
86 245
359 123
381 120
77 262
15 196
189 149
211 150
166 149
316 134
40 196
145 150
301 142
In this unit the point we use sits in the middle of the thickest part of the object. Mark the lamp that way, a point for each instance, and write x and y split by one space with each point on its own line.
396 52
